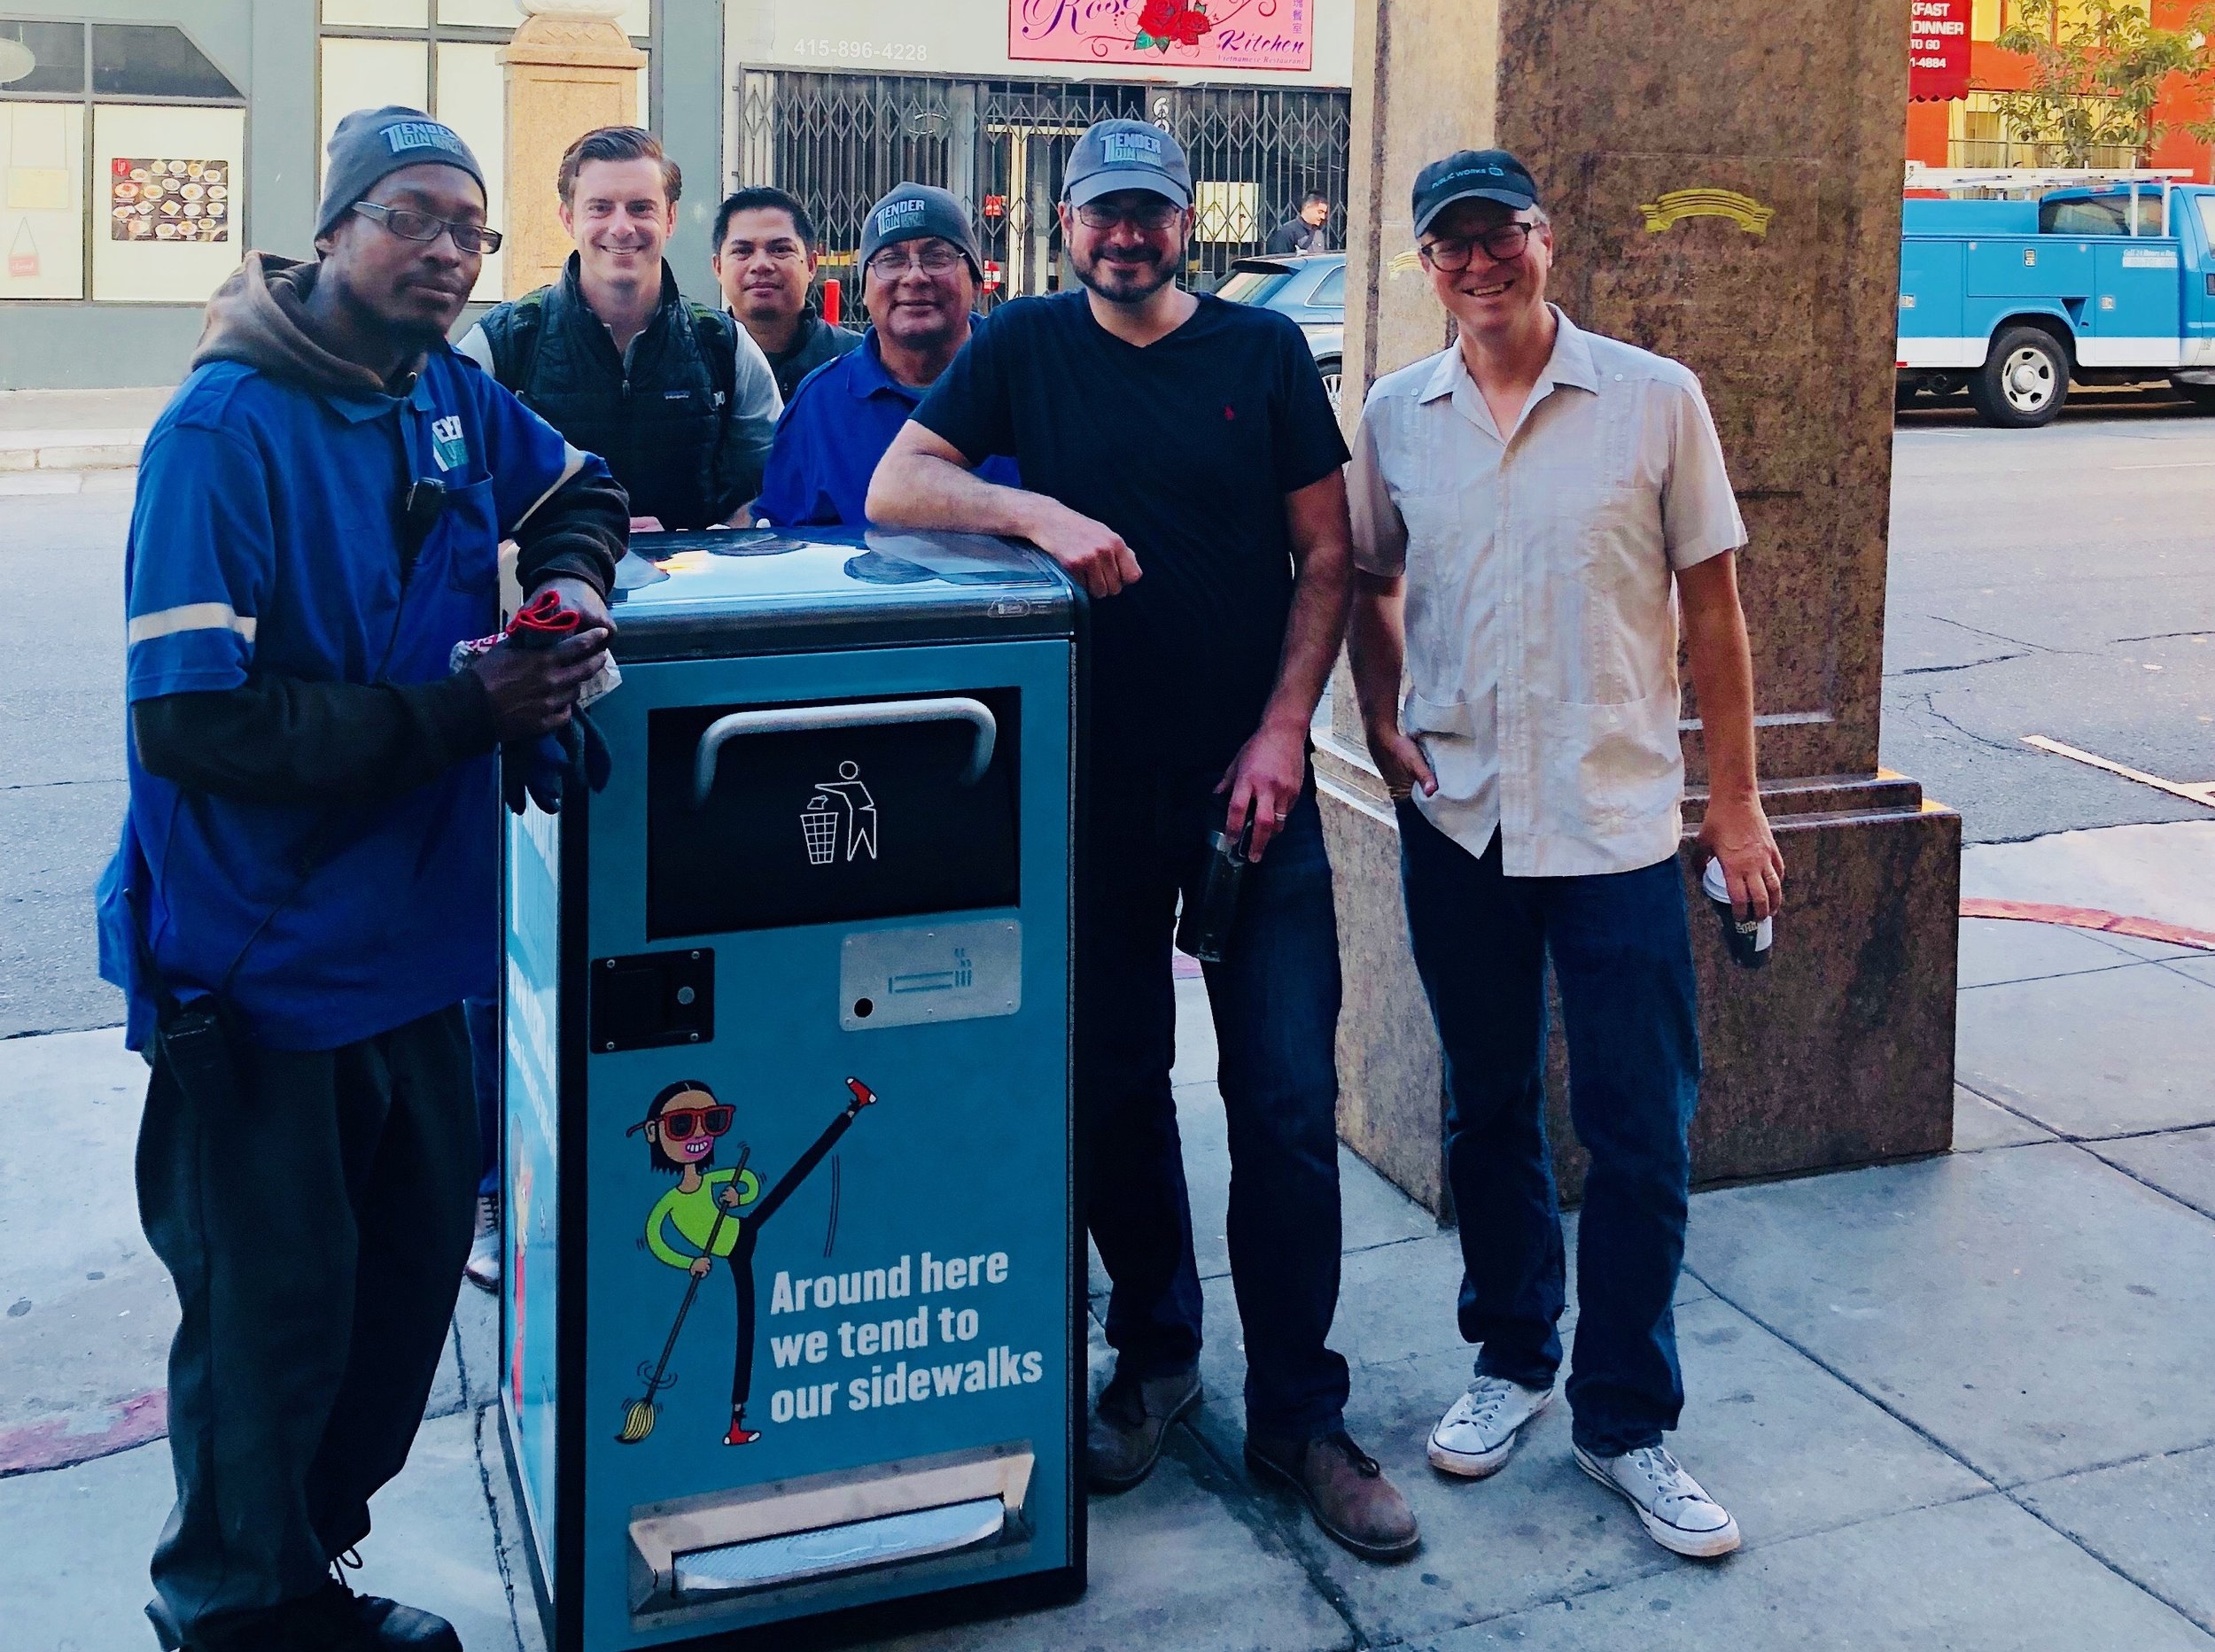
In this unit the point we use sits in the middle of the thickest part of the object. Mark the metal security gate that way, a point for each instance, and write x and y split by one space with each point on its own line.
840 141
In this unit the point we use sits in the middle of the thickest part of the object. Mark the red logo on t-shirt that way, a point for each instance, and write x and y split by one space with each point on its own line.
1229 412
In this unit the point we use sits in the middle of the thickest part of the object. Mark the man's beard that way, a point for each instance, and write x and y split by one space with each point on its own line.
1124 282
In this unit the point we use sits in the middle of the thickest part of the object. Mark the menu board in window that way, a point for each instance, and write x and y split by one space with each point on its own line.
170 201
42 200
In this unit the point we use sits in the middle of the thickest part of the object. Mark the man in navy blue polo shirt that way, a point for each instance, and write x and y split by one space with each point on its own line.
306 886
920 275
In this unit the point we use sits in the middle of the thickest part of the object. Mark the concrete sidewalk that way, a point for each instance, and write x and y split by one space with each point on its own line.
49 438
1963 1402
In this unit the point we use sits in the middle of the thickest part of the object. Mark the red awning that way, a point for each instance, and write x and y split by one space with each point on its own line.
1938 51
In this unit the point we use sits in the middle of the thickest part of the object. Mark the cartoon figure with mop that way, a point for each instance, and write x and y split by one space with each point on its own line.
716 1212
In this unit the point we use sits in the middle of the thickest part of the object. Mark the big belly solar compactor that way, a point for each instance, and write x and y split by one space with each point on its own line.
791 1312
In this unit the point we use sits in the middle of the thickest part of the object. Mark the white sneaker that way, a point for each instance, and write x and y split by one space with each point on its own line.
483 1268
1676 1512
1477 1435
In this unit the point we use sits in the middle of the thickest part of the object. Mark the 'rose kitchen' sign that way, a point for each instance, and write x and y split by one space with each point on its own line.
1171 34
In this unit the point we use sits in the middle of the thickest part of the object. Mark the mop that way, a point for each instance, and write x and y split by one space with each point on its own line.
639 1415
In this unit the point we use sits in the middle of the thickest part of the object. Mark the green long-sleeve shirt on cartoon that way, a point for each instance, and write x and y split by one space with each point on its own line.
712 1214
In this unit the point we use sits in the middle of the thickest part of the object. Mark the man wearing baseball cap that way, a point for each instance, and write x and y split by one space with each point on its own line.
1531 507
920 271
307 886
1181 459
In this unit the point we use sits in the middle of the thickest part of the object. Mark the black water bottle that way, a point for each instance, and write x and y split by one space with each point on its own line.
1204 932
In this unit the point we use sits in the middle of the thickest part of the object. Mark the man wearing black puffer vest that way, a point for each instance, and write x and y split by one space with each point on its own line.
675 396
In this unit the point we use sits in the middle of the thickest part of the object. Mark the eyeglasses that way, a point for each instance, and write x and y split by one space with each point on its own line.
1152 216
933 258
683 1124
1500 243
413 226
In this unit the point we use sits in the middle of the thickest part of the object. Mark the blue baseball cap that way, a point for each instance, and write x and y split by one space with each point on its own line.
1126 155
1473 174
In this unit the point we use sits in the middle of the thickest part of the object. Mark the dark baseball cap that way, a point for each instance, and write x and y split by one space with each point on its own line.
915 212
1473 174
1126 155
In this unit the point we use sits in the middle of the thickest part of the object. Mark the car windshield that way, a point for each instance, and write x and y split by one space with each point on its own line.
1252 286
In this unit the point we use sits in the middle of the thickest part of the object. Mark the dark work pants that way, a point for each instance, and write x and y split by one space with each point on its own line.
317 1232
486 1059
1274 1000
1622 957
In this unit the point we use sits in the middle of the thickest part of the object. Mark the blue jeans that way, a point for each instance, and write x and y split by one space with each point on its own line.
1274 1000
1622 957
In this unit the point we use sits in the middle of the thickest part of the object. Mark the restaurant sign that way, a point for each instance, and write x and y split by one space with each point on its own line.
1167 34
1938 51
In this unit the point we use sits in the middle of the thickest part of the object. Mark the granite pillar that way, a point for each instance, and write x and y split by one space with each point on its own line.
568 68
1725 182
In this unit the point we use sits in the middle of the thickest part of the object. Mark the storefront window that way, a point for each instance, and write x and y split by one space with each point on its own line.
140 60
121 153
439 56
57 51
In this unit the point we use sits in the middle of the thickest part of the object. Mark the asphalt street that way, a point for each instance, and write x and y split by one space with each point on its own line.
2057 582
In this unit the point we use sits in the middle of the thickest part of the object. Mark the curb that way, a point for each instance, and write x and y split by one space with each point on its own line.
54 450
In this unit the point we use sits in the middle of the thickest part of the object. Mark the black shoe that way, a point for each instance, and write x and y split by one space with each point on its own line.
377 1625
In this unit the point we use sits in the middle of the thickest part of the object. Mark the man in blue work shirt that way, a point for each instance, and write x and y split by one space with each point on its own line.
920 274
306 887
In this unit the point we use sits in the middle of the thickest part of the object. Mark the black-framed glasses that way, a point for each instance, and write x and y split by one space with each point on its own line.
1500 243
1153 215
933 258
409 225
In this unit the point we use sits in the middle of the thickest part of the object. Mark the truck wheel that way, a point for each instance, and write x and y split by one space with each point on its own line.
2022 382
2201 396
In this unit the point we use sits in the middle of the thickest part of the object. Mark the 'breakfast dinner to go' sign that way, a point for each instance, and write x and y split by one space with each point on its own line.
1175 33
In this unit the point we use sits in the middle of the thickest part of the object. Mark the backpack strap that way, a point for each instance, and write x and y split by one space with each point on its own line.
717 335
513 330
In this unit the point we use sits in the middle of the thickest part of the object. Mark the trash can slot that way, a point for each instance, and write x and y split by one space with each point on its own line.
866 714
796 1556
689 1553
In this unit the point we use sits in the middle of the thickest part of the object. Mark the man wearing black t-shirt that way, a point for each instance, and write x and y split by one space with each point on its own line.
1179 458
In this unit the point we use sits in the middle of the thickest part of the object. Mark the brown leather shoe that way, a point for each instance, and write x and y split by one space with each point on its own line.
1345 1490
1123 1441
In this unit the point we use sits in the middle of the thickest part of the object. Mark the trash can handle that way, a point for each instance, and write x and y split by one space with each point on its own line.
867 714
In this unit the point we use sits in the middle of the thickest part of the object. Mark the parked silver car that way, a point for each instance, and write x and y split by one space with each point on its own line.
1311 289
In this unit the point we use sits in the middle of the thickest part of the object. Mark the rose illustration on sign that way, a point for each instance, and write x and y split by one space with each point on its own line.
1166 23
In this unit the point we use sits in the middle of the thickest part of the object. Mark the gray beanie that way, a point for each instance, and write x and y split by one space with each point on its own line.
372 143
911 212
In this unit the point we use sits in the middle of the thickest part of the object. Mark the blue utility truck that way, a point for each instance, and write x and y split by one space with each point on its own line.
2108 280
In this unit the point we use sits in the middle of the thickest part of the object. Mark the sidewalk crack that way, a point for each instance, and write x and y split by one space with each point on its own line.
1932 1440
492 1513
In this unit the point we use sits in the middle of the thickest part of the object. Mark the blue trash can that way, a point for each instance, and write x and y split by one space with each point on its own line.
792 1316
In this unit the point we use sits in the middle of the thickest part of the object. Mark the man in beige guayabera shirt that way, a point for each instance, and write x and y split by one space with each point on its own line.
1532 506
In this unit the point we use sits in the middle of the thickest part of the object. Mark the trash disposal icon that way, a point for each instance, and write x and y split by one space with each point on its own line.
842 801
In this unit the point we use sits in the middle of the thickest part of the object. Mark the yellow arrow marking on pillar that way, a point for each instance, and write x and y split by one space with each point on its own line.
1678 205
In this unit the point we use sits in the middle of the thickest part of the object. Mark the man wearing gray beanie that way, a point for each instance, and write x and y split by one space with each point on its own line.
307 886
920 271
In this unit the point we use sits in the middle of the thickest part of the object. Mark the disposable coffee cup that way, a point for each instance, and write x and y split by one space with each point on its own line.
1748 938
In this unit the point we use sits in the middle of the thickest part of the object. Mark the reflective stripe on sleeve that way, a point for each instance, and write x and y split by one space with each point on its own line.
191 617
